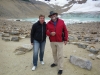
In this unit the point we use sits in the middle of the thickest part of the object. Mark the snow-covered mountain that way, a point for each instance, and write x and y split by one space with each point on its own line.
76 5
89 6
55 2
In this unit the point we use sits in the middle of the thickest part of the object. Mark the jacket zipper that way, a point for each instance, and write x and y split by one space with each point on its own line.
42 32
55 31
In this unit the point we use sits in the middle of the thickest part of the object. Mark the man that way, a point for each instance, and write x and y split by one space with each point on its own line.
55 29
38 40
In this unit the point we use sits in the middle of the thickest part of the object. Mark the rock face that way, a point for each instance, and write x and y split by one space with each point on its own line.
23 49
81 62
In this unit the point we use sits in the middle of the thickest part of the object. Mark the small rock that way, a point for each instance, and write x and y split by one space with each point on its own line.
98 56
71 38
92 56
22 36
74 43
82 45
14 33
1 33
81 62
28 36
65 57
15 39
99 40
17 20
98 35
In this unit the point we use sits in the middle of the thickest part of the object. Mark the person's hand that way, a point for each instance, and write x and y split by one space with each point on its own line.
65 42
31 43
52 33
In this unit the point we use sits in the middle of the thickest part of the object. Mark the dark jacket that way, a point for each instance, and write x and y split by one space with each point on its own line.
38 32
59 28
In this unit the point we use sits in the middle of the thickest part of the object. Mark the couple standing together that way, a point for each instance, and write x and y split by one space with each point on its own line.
57 32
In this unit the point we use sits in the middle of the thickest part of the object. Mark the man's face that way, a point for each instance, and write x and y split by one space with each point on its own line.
41 19
54 17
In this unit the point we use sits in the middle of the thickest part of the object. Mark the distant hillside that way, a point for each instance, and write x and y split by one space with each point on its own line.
33 8
22 9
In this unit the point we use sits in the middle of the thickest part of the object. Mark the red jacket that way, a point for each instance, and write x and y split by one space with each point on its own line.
59 28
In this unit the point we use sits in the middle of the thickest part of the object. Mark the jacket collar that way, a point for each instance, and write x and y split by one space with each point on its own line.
52 21
40 23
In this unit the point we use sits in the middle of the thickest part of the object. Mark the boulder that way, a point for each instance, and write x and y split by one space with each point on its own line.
14 33
82 45
6 38
15 38
23 49
87 38
6 31
81 62
79 37
92 49
5 35
94 32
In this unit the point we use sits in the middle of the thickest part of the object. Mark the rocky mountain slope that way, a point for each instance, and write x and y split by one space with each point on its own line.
22 9
33 8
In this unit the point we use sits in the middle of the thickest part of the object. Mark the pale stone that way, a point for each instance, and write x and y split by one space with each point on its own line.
81 62
15 38
98 56
24 48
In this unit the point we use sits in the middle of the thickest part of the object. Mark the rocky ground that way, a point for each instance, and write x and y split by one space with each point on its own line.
16 50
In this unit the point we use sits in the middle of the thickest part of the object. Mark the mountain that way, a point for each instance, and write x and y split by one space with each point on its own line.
89 6
23 8
76 5
33 8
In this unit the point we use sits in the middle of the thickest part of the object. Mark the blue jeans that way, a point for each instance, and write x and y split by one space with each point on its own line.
36 47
